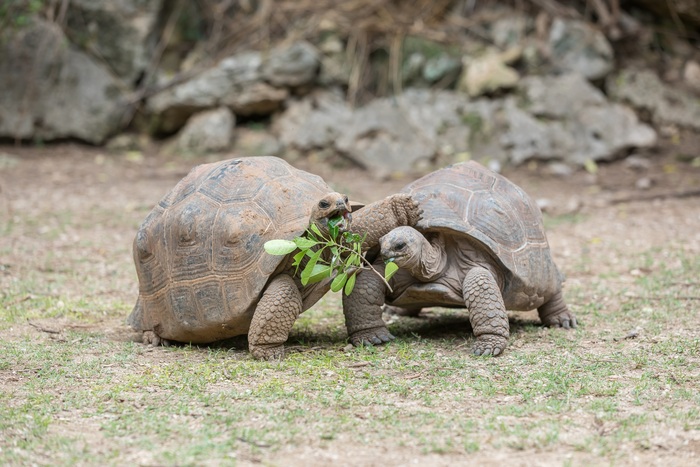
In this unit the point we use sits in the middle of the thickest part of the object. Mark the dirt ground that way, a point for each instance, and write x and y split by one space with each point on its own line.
74 212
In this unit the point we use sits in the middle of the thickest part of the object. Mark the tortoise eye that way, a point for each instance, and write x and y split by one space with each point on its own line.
323 204
346 200
400 246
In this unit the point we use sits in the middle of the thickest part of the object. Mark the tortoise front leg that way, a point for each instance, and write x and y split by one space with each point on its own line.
278 309
487 312
363 310
381 217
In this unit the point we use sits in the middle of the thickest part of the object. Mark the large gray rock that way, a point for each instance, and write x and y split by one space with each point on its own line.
560 118
206 132
386 136
566 118
575 46
646 92
235 81
51 90
291 66
120 32
250 83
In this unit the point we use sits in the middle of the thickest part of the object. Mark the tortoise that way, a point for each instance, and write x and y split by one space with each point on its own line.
203 273
480 244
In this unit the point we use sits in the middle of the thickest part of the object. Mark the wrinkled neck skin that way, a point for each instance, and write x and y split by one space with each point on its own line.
430 260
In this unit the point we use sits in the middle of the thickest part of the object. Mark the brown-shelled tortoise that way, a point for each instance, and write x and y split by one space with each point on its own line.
481 245
203 273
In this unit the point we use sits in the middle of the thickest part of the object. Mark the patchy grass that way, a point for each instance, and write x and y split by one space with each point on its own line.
581 391
76 390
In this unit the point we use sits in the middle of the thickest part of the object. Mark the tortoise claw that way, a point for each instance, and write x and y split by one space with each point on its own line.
374 336
489 345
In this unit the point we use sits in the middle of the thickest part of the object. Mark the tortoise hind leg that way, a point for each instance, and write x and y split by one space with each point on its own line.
487 312
556 314
153 339
274 316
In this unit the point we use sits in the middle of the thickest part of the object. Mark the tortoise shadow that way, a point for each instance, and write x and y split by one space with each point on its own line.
433 324
439 324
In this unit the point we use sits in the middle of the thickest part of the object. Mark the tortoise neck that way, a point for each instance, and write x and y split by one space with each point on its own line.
432 259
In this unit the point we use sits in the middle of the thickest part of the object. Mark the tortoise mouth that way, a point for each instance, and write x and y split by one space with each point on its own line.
340 218
392 257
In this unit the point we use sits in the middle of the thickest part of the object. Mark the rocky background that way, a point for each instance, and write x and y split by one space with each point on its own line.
393 86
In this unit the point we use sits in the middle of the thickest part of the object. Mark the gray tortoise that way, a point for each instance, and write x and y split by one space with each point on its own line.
203 273
481 245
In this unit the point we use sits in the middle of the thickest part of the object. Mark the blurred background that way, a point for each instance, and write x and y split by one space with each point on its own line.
397 87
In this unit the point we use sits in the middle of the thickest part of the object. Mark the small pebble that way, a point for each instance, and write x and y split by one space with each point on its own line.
644 183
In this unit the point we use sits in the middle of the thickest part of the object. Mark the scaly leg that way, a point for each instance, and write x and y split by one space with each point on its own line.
556 314
487 313
278 309
363 310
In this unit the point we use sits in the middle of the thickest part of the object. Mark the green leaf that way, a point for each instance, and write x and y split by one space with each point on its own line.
314 228
390 270
319 272
309 268
353 260
350 284
339 282
333 226
304 243
298 257
279 247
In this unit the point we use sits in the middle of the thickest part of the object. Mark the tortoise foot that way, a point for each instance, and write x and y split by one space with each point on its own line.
373 336
153 339
556 314
489 345
267 352
564 320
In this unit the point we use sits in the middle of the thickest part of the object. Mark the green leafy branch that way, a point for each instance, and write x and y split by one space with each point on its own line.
346 258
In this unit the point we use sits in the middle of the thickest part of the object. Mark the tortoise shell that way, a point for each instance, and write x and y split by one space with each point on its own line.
199 254
471 200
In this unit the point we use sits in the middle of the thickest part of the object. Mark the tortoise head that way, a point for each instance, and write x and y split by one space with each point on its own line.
403 245
333 207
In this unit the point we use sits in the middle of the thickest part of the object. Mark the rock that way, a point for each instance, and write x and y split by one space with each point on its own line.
524 137
50 90
509 31
560 169
313 122
443 69
206 132
575 46
666 104
571 120
427 62
637 163
387 136
558 97
235 81
691 75
291 66
117 33
644 183
255 98
335 70
487 74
